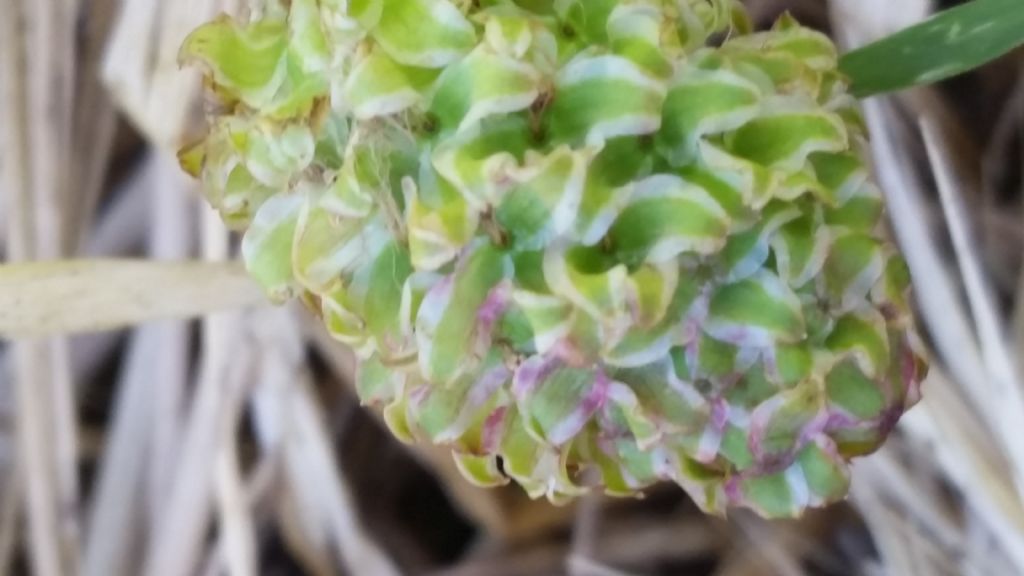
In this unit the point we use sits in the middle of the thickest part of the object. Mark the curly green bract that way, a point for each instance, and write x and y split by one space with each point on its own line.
625 236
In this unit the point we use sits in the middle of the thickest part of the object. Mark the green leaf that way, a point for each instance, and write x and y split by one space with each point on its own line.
950 43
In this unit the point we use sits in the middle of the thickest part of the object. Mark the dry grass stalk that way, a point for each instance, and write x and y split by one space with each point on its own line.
1005 385
177 537
108 294
317 513
625 541
173 214
10 515
963 442
93 132
157 492
117 516
951 331
38 79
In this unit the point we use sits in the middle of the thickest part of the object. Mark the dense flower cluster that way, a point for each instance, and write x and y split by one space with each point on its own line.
629 236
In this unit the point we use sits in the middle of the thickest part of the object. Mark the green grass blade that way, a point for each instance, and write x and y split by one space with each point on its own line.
950 43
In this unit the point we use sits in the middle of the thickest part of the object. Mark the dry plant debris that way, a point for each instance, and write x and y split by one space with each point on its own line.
235 445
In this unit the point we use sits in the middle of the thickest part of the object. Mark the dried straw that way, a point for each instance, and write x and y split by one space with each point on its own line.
227 451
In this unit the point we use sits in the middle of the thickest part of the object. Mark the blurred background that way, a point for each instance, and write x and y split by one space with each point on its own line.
233 444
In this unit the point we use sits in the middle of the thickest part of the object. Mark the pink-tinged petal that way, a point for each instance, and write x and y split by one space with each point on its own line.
839 420
778 425
494 430
708 446
719 414
815 428
419 394
488 316
684 388
431 311
887 421
598 395
530 374
494 306
711 439
569 352
481 392
734 490
696 316
593 401
909 368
